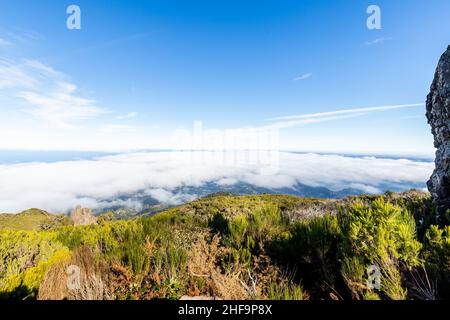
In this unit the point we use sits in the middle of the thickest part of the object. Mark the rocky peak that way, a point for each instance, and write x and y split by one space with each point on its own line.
83 216
438 115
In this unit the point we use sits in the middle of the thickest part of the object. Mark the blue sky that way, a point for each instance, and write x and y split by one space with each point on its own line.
138 70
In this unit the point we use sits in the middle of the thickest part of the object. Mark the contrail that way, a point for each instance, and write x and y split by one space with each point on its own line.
349 111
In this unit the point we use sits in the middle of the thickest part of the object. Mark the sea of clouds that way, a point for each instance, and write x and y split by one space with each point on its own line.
101 182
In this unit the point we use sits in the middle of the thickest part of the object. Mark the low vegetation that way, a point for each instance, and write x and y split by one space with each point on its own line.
236 247
32 219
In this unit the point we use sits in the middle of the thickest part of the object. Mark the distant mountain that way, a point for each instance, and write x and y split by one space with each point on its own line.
151 205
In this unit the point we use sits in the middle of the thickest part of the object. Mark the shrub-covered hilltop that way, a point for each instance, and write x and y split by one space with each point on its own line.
235 247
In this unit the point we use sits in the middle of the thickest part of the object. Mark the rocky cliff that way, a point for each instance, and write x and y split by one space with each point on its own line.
438 115
83 217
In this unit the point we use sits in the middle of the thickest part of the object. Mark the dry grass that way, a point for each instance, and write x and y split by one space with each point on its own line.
203 268
95 279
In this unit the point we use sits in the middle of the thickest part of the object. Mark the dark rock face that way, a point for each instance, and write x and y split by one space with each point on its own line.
438 115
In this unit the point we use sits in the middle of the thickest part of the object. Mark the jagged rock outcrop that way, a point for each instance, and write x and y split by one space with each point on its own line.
83 216
438 115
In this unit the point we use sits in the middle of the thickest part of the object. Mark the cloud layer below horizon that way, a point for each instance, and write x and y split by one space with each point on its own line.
59 186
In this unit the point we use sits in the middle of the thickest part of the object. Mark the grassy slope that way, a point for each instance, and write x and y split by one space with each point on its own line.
296 208
161 256
32 219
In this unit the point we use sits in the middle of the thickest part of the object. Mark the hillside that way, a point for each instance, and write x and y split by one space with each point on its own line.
32 219
239 247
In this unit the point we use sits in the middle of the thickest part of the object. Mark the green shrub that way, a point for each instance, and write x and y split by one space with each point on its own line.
133 252
219 224
108 237
33 276
256 228
266 223
169 263
329 255
380 234
437 257
285 290
310 246
25 256
238 227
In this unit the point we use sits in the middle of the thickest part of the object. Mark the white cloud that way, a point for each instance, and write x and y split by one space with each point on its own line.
61 106
127 116
48 94
46 69
4 43
303 77
24 37
168 197
13 75
365 188
60 186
